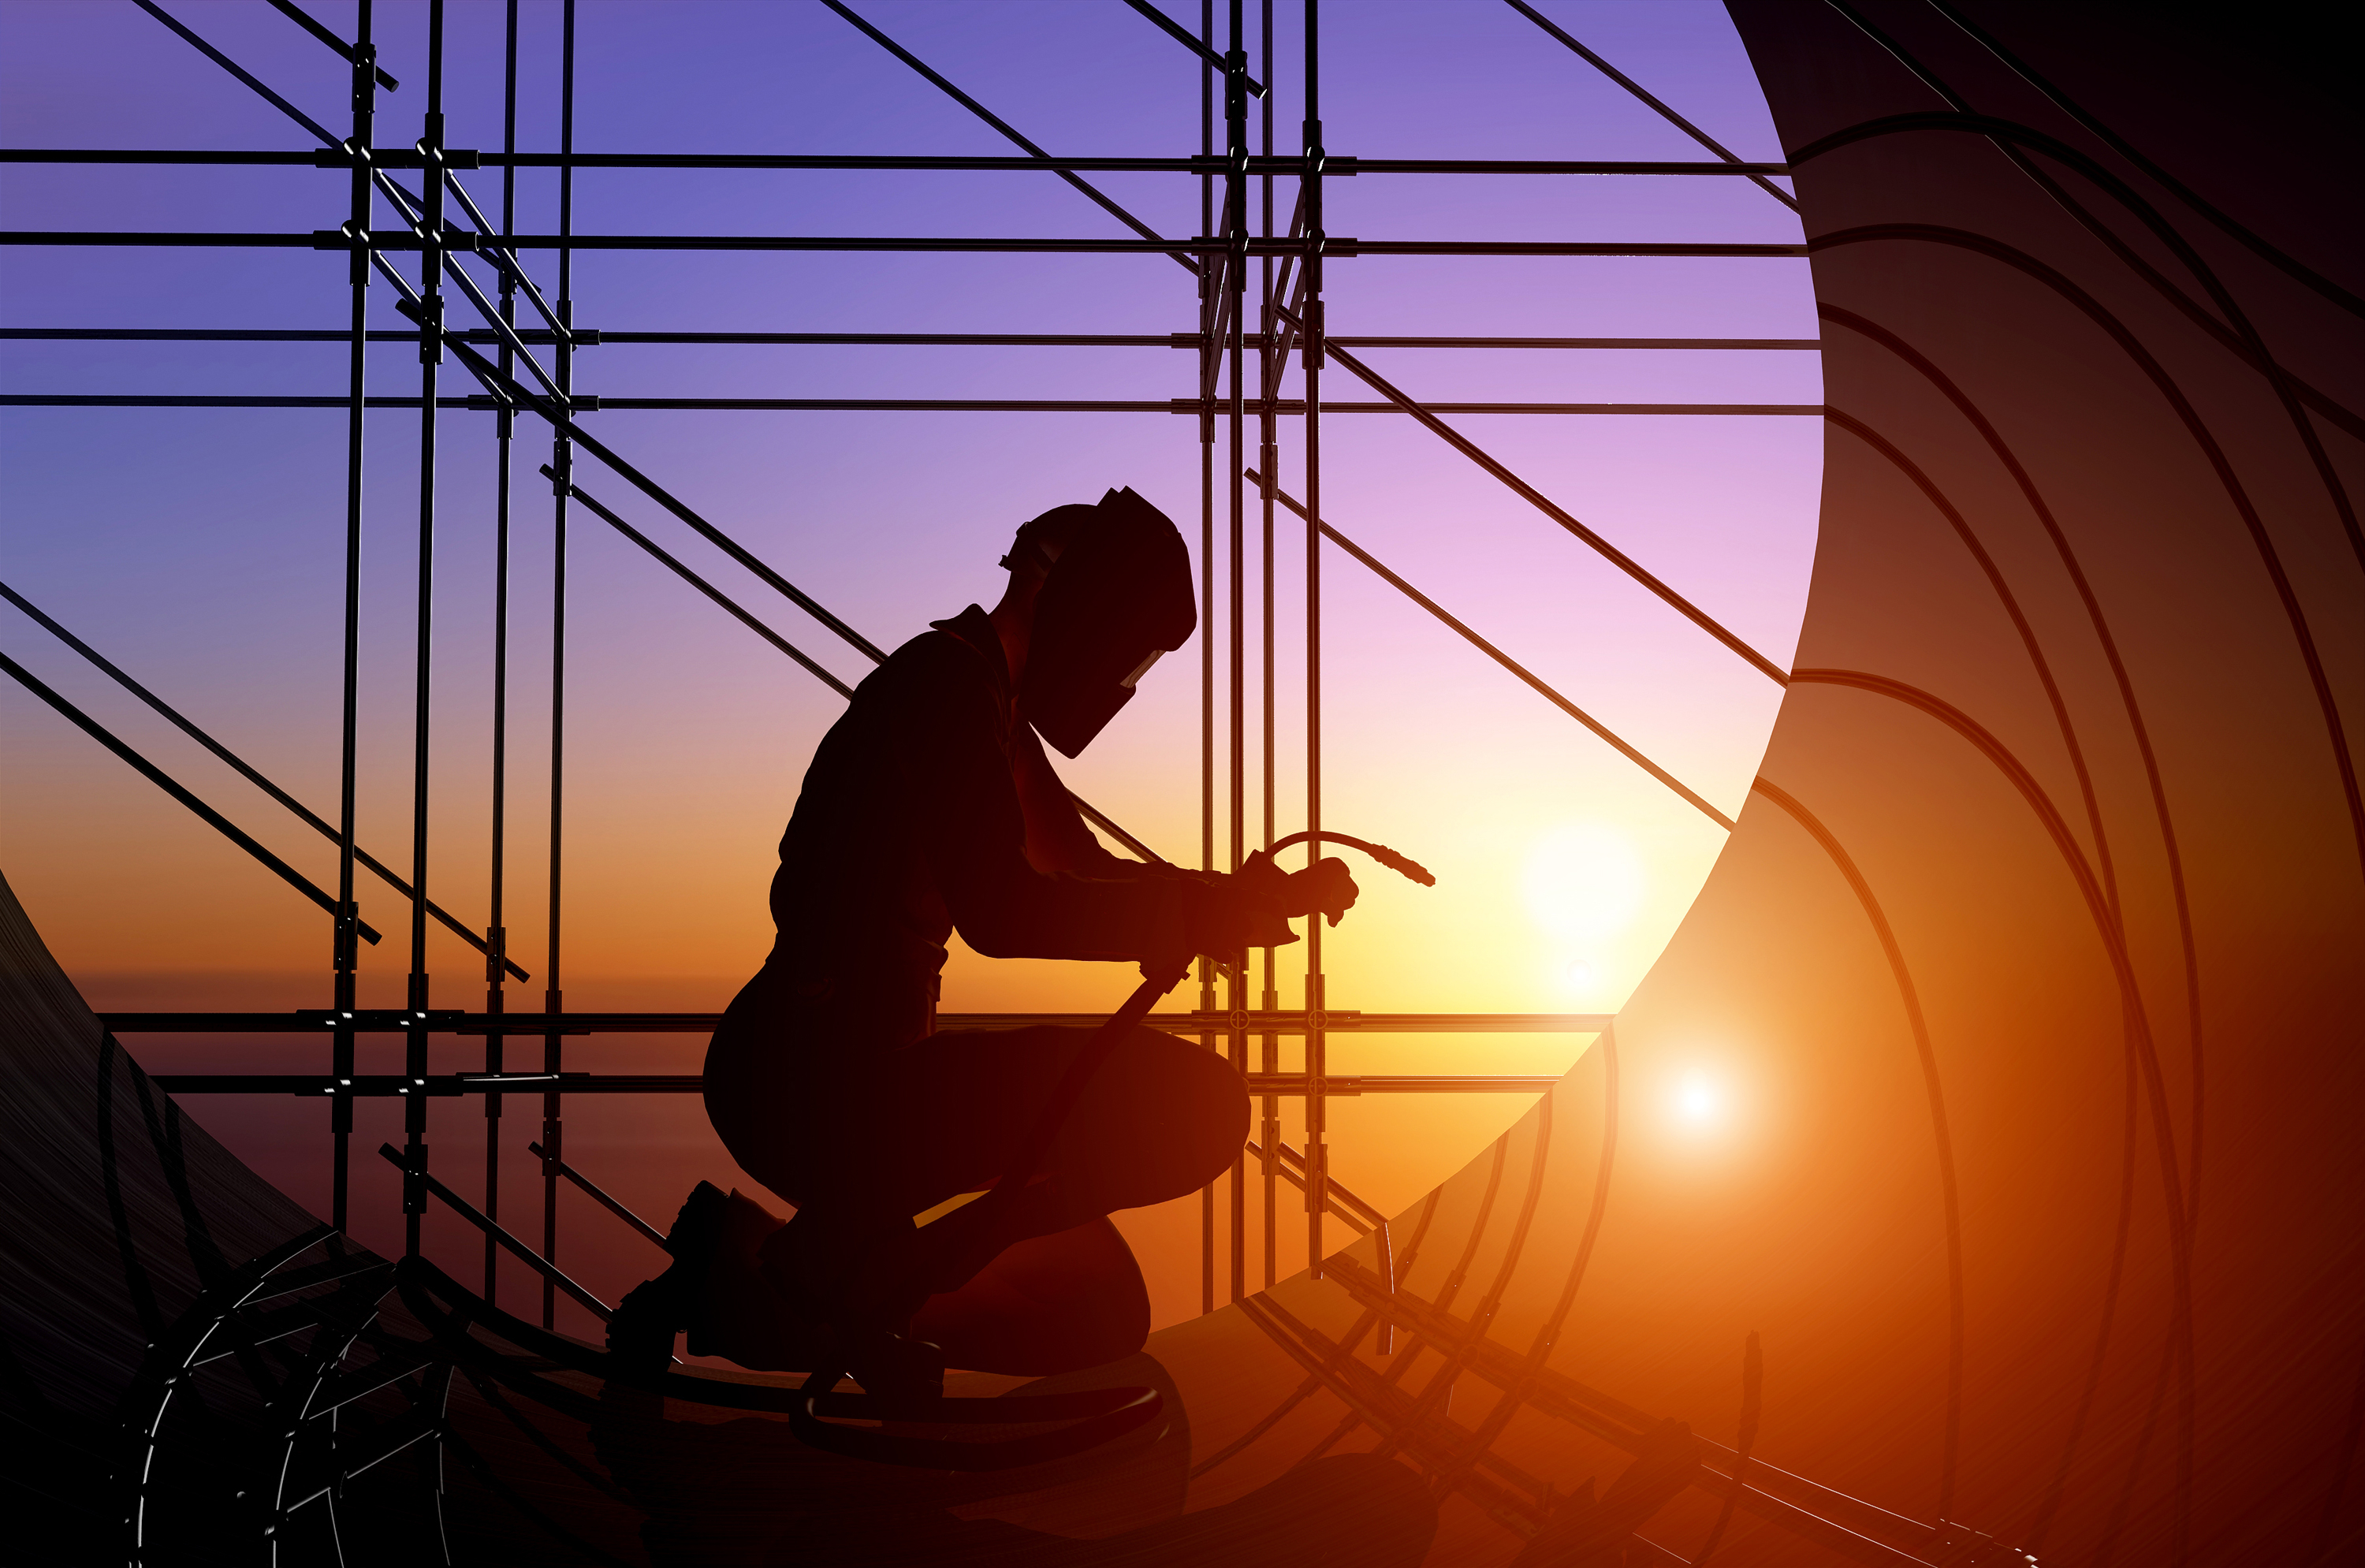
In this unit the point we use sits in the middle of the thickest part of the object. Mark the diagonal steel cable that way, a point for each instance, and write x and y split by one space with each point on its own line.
158 777
239 765
1006 129
1665 113
1174 30
1544 504
337 45
226 63
1500 658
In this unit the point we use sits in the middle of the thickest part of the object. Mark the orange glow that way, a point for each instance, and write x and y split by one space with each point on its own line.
1700 1102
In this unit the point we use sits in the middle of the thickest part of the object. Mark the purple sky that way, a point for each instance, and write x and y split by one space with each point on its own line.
203 549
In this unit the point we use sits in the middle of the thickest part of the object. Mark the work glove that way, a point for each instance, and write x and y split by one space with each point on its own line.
1225 916
1326 888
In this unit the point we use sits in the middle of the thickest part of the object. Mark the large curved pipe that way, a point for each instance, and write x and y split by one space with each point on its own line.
1996 249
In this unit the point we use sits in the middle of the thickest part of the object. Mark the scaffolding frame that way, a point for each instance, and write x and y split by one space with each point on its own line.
1290 320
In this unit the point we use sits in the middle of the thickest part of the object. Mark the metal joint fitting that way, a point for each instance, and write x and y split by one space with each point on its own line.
365 58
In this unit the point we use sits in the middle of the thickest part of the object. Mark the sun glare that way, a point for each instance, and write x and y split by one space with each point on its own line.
1584 881
1699 1103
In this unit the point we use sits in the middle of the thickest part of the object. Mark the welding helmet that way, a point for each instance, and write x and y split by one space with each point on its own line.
1117 595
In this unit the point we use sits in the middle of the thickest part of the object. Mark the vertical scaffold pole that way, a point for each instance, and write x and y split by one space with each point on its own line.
1210 357
430 355
348 934
1317 1155
1236 266
561 462
497 936
1235 280
1267 465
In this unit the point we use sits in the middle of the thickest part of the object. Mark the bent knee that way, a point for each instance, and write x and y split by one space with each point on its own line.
1204 1104
1162 1117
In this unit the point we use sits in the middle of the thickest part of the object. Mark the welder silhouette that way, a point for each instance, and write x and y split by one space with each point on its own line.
930 807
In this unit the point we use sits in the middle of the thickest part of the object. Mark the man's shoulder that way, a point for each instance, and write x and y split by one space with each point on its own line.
935 668
935 654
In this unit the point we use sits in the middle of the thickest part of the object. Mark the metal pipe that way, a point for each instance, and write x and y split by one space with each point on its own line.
504 431
369 1020
157 777
1317 1155
346 957
1269 368
1342 164
562 459
1210 356
592 338
238 764
1500 658
431 357
955 244
1282 408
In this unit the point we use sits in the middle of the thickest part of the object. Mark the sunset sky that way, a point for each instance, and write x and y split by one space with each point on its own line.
202 549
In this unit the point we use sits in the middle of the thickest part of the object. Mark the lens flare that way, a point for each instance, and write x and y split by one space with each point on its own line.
1584 881
1699 1103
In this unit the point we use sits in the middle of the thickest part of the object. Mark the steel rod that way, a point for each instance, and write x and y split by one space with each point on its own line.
956 244
1269 370
434 1086
344 50
504 433
1287 165
1238 88
1670 116
1543 503
1282 408
1285 1022
563 460
1037 157
164 782
1616 742
552 1277
361 50
602 1197
253 775
430 358
594 338
346 958
1211 327
1165 24
1310 327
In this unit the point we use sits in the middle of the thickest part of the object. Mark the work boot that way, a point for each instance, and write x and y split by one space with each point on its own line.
839 1269
641 1333
738 1314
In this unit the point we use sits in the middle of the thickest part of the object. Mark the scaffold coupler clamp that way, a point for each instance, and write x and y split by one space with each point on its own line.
429 313
365 58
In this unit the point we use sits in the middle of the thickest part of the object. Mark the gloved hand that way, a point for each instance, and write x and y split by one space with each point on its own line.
1225 916
1325 889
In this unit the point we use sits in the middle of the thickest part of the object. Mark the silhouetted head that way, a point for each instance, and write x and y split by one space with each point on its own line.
1116 594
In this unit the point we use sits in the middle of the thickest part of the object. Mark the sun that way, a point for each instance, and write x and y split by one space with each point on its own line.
1584 881
1699 1101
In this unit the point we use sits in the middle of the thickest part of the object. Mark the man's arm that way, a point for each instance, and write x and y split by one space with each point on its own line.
1077 901
1058 838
